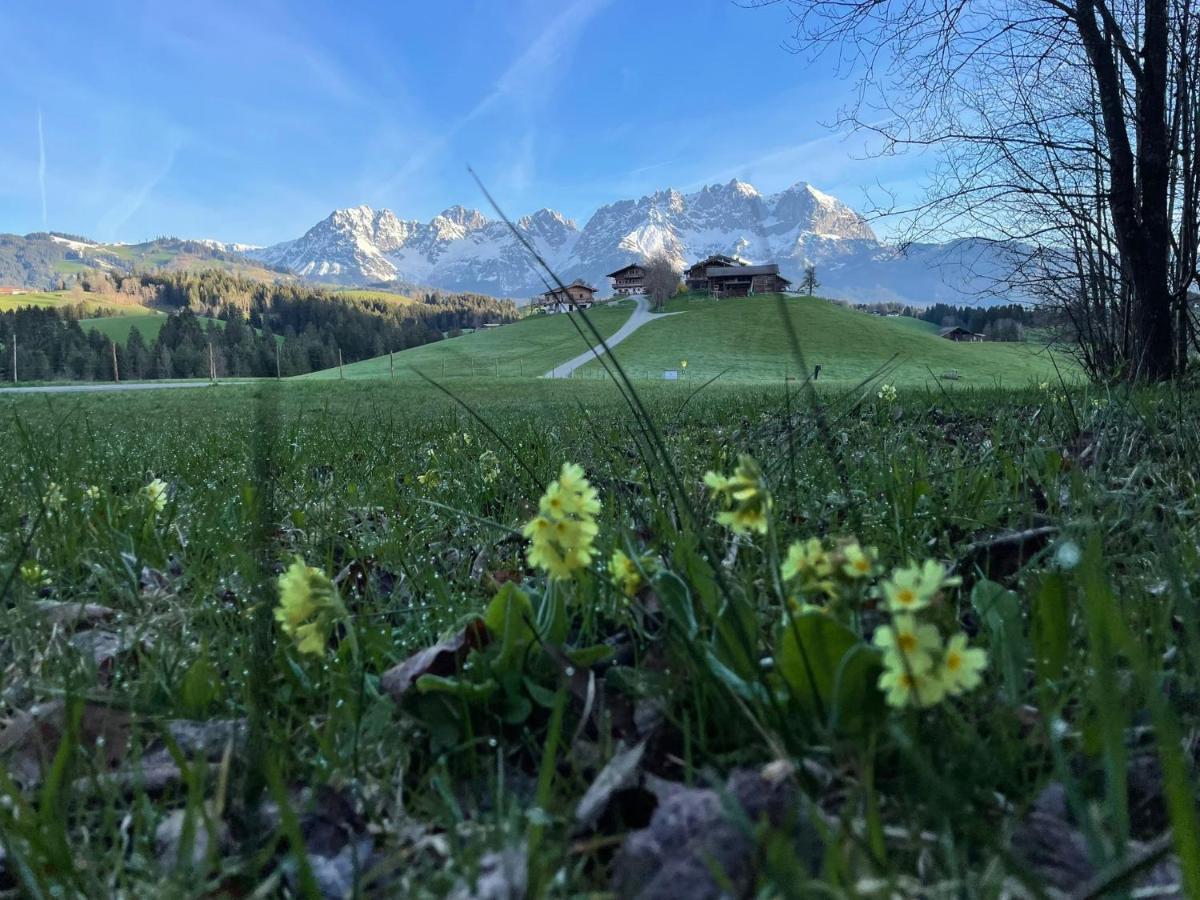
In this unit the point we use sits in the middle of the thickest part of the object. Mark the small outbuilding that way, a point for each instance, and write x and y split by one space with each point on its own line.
958 333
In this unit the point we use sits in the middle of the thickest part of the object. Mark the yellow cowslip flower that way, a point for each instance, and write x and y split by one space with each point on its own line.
904 687
33 574
962 666
626 573
466 438
308 605
913 587
810 566
91 492
53 500
907 644
561 536
746 498
859 561
429 476
489 466
887 393
155 494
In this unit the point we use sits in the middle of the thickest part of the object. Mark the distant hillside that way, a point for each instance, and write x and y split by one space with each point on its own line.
44 260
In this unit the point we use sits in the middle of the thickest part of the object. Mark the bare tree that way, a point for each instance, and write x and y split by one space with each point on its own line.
1067 134
809 282
662 280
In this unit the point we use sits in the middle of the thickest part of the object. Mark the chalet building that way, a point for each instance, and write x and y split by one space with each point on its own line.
9 291
958 333
576 294
629 280
697 276
743 281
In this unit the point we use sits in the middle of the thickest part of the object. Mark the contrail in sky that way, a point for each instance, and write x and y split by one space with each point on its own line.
42 167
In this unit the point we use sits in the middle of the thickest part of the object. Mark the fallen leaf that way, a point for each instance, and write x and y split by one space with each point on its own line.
620 773
443 659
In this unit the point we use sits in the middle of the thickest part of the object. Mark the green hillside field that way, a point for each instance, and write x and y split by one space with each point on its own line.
117 328
61 299
527 348
747 339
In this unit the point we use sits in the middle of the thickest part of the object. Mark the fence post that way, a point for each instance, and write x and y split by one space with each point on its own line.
391 364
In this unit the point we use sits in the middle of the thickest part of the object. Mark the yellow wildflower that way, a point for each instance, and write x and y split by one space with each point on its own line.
91 492
913 587
429 476
745 496
810 566
53 500
489 466
908 644
33 574
905 687
887 393
308 605
859 561
155 494
562 534
962 666
626 573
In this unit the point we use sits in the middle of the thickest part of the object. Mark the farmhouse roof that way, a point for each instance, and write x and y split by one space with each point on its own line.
623 269
721 271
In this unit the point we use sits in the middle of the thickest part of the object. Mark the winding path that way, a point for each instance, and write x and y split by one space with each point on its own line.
641 315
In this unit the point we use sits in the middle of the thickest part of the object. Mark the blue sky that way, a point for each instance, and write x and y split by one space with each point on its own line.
251 120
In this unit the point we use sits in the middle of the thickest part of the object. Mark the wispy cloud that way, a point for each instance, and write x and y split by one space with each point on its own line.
114 220
42 167
525 80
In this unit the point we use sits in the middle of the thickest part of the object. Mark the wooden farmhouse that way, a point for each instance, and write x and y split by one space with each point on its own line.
958 333
576 294
628 280
745 281
9 290
697 276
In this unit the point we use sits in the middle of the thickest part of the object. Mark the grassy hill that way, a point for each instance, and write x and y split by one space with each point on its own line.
529 347
748 340
367 296
117 328
112 304
745 339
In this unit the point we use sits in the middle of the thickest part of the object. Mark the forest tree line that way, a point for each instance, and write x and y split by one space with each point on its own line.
234 327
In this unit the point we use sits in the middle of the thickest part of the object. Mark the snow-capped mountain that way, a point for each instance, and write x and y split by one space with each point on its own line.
462 249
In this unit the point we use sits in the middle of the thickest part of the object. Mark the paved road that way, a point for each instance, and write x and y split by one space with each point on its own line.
110 386
641 315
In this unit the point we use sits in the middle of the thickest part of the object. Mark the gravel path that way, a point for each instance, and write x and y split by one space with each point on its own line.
641 315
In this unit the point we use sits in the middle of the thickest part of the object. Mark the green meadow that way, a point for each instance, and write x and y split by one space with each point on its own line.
294 639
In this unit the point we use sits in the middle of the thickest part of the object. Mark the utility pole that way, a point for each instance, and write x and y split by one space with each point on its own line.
277 374
391 364
341 374
212 365
14 355
116 371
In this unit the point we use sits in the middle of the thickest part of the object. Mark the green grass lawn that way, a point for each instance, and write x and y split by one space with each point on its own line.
526 348
748 340
117 328
165 732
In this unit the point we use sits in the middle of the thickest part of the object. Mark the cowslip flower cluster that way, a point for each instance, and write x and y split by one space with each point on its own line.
33 574
562 535
53 499
745 497
308 606
887 393
919 669
627 574
814 572
489 466
155 495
